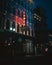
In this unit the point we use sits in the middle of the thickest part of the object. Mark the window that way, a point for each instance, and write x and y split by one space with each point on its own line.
18 1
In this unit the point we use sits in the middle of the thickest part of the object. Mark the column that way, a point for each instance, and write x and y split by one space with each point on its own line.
16 27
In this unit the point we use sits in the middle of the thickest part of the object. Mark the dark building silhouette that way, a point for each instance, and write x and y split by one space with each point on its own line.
50 41
41 30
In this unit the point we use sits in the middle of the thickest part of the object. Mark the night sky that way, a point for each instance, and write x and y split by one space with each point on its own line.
47 4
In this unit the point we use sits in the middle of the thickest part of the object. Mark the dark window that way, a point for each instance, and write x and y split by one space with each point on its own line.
13 24
7 24
18 12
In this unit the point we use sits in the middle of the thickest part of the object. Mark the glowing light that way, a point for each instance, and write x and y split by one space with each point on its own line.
13 41
13 29
24 15
24 32
10 28
24 18
23 12
31 1
8 44
46 49
50 35
34 16
27 32
23 24
37 17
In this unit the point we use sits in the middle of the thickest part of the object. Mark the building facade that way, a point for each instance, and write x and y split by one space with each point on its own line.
17 19
25 28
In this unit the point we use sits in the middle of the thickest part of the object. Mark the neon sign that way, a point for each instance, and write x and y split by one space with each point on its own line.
19 20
